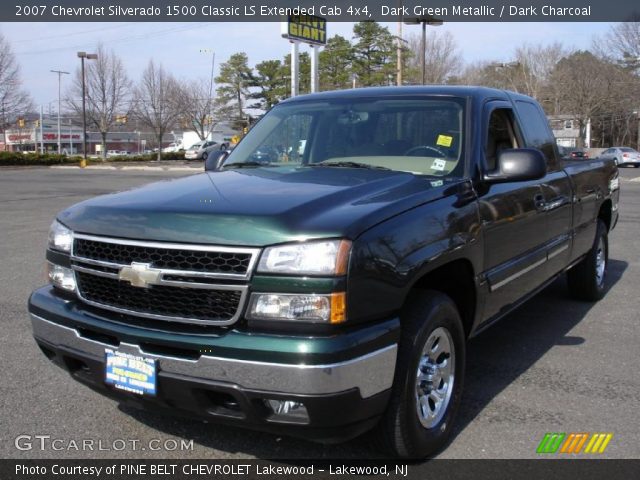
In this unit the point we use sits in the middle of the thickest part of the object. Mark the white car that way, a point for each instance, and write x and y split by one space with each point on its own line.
624 156
172 148
201 150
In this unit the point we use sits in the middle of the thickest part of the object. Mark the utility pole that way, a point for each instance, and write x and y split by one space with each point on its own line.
399 54
41 131
4 131
60 73
82 56
424 20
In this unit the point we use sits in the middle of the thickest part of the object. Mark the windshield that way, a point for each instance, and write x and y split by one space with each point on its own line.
420 135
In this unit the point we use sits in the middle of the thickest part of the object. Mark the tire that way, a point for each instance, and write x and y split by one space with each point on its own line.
204 156
430 318
587 279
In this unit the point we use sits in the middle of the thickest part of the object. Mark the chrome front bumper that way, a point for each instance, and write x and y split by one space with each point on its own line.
370 374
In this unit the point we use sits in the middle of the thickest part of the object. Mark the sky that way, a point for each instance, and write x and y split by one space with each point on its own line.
184 48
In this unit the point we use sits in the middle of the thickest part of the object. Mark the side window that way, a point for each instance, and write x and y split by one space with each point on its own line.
501 135
536 129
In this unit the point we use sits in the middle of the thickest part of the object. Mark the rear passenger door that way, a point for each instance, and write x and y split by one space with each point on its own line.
513 222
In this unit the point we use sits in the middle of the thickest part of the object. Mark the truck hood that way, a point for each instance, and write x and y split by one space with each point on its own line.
254 206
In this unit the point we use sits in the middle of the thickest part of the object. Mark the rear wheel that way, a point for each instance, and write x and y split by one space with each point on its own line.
428 378
587 279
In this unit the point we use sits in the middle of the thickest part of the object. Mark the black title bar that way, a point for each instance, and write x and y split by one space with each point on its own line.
333 11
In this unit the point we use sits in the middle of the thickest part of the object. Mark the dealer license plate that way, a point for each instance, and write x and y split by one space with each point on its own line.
130 373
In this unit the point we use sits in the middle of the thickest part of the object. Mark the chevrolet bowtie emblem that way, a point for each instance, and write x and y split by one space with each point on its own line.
140 274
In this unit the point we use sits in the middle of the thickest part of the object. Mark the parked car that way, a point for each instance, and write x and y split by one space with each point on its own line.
568 153
330 292
113 153
201 150
173 147
624 156
578 155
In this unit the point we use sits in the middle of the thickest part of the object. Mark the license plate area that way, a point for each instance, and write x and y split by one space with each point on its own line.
130 373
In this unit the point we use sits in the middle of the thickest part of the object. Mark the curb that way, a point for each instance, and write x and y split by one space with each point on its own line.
129 168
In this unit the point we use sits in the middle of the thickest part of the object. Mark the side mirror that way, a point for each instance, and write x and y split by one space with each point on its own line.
215 160
518 165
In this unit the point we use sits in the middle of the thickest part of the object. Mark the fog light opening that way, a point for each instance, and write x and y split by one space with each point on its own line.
287 411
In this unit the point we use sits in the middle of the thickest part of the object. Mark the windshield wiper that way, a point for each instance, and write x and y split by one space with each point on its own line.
246 165
348 165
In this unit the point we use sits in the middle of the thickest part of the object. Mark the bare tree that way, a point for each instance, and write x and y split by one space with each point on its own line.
108 93
197 105
156 104
622 43
536 63
443 59
586 87
13 100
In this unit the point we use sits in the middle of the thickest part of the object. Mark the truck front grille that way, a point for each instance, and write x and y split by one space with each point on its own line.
160 301
196 284
211 261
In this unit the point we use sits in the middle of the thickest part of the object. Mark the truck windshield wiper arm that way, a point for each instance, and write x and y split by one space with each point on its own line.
348 164
247 165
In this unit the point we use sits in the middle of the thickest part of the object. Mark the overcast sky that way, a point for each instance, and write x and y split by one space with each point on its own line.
41 47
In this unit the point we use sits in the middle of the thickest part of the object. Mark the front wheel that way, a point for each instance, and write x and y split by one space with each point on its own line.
204 156
587 279
428 379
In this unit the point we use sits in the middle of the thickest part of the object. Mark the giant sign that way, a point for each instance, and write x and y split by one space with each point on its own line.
305 28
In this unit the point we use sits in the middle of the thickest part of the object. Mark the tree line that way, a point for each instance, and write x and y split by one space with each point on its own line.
599 85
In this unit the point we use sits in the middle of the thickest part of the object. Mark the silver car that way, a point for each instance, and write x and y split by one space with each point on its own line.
624 156
201 150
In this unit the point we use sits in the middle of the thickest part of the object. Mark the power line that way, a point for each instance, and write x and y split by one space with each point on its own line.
140 36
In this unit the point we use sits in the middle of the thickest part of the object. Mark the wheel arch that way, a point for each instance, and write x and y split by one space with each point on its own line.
456 279
606 213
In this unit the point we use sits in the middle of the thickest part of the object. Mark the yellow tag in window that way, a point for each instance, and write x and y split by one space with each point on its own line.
444 140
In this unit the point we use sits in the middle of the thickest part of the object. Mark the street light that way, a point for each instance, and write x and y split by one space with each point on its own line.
60 73
82 56
424 20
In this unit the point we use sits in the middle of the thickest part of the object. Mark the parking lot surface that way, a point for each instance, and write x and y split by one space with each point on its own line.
554 365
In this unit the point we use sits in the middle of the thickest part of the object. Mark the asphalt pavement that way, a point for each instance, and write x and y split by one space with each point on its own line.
554 365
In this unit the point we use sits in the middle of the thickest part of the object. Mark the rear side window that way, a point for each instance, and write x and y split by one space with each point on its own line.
536 129
627 150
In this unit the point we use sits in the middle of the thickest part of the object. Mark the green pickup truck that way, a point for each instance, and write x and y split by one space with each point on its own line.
322 279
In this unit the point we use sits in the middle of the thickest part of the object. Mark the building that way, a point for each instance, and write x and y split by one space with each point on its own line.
30 137
566 129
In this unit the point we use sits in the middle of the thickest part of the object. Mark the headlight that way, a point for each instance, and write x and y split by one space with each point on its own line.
329 308
327 257
60 237
61 277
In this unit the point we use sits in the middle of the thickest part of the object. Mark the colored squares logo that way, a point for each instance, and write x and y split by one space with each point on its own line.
573 443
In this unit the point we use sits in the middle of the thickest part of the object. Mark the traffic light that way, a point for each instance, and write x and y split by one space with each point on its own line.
37 123
245 130
21 123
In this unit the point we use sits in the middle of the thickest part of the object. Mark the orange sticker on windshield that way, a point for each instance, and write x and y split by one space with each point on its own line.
444 140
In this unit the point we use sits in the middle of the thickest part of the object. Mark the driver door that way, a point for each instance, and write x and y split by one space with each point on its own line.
511 218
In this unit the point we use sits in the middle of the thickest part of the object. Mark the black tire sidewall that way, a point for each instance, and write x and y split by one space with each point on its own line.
439 312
